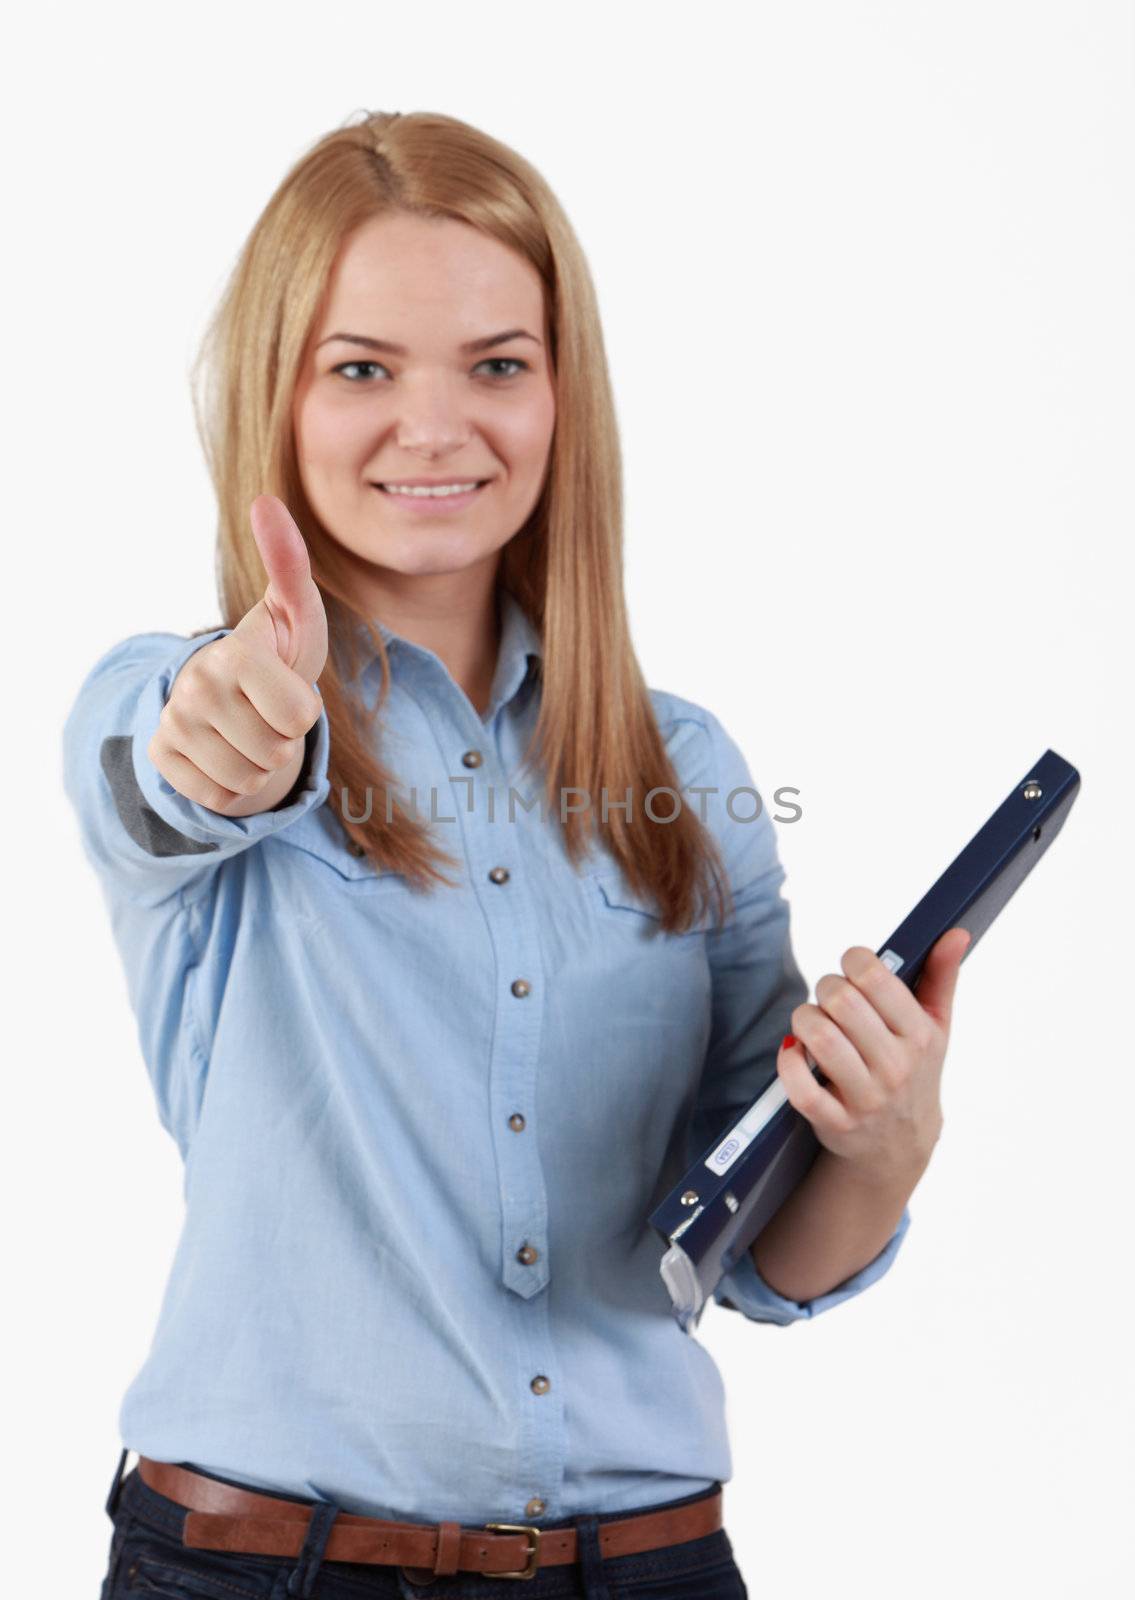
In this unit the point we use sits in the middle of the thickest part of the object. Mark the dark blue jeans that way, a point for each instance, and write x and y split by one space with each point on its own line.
147 1557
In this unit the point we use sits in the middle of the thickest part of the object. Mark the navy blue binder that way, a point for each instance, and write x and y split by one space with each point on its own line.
719 1207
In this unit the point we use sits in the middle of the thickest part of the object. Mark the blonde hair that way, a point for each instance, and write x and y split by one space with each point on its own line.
596 727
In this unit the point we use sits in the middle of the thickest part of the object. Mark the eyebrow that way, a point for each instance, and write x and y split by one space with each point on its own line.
387 348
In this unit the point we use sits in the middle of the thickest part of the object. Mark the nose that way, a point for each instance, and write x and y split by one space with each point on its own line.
433 418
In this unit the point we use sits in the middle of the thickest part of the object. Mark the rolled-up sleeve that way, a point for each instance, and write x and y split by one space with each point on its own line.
156 853
756 987
743 1289
141 835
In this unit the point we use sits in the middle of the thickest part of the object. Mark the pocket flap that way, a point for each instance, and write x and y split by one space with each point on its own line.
319 833
617 893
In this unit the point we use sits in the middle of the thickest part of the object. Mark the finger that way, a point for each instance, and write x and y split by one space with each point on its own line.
886 992
243 726
189 780
838 1058
855 1016
939 976
282 549
216 758
286 703
821 1108
292 596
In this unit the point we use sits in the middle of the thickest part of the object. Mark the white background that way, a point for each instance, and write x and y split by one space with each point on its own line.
865 272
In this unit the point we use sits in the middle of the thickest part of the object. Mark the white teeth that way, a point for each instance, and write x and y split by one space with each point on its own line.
440 490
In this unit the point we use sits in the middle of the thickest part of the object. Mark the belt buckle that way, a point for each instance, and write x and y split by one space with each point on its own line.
533 1547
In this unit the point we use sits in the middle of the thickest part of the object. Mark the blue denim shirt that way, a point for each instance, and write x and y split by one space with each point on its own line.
423 1132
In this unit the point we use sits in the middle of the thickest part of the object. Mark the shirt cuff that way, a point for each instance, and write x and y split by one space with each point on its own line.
743 1289
197 822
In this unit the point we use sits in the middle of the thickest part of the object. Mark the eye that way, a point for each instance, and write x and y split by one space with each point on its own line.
491 361
345 364
505 361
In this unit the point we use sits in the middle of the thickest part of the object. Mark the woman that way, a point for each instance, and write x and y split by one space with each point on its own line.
442 975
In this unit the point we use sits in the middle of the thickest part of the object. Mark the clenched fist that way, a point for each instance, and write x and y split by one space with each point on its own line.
231 734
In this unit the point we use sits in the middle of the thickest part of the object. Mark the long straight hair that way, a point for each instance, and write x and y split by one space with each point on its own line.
596 729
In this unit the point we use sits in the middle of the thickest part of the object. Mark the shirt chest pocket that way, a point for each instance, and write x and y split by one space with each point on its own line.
642 979
327 863
620 906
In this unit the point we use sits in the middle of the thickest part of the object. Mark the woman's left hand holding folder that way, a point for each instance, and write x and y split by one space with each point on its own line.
882 1047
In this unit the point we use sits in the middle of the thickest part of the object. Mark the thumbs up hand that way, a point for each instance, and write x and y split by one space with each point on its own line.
232 732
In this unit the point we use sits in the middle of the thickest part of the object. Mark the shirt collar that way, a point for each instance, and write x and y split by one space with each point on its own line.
520 643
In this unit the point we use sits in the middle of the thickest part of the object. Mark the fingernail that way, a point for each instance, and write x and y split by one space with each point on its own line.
788 1041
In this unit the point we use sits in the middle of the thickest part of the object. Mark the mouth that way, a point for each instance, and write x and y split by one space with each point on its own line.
424 501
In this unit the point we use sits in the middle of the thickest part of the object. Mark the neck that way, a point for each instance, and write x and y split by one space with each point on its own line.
457 616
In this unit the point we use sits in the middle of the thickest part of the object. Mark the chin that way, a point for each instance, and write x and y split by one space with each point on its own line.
429 559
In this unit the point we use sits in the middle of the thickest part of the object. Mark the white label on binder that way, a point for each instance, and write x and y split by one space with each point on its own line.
742 1134
891 960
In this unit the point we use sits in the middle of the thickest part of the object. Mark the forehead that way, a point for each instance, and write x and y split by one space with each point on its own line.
433 273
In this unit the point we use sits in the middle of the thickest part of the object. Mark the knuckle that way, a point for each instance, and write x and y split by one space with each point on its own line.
827 1034
875 977
225 652
918 1040
293 722
191 691
839 996
286 750
808 1104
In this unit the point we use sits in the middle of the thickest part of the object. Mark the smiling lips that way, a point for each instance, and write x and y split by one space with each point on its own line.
436 496
440 489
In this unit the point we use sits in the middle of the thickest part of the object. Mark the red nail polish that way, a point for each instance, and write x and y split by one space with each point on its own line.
787 1042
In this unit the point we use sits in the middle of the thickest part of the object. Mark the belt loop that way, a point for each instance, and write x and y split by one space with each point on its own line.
302 1579
590 1557
112 1497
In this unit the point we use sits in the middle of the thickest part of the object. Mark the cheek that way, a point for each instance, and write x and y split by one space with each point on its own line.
326 435
528 439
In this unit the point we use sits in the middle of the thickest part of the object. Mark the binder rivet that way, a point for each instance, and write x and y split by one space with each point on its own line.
689 1197
1032 790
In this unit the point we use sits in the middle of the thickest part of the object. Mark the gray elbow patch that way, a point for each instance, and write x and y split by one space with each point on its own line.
149 831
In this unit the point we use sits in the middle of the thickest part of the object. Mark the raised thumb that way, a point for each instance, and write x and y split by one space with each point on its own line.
292 597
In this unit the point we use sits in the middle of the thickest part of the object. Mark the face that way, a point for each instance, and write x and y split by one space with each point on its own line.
366 414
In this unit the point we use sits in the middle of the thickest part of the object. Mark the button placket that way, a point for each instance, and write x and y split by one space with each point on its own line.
500 890
496 863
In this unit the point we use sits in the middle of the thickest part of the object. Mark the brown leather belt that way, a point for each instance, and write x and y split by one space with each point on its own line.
222 1516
